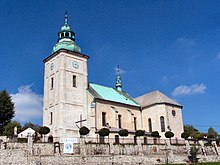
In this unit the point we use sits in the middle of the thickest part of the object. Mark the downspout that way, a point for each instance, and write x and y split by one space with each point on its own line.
168 121
141 117
87 109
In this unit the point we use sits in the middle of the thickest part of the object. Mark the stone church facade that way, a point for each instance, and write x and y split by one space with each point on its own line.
71 102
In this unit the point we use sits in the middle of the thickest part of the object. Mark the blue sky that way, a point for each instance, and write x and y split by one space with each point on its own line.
171 46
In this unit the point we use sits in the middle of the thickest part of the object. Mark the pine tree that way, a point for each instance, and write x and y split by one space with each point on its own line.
6 110
212 132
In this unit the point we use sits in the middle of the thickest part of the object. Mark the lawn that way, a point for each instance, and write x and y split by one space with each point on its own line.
210 163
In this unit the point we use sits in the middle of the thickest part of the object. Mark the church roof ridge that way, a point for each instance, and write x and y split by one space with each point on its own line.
111 94
155 97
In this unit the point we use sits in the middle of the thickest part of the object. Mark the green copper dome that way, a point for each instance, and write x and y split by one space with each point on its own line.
66 39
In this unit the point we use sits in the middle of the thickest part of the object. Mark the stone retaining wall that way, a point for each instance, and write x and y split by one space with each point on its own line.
101 154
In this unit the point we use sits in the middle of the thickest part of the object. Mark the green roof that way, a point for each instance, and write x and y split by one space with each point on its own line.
110 94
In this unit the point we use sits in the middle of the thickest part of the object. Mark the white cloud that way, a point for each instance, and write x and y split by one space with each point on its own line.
185 42
189 90
218 56
28 105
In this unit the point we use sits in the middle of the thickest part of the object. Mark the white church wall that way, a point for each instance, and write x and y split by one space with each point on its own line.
155 112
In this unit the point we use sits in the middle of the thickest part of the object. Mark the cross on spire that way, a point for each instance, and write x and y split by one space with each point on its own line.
66 18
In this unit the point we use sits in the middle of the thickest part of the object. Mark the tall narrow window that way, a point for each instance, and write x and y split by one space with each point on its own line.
135 123
150 125
51 83
51 117
103 119
119 121
74 81
162 124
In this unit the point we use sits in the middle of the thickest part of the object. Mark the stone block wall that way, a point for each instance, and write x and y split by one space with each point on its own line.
101 154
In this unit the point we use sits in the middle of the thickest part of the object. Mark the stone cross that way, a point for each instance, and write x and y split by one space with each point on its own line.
80 121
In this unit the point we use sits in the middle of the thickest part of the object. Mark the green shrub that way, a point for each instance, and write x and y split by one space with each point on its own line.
84 130
193 154
155 134
169 134
185 135
104 132
218 141
44 130
123 132
139 132
198 136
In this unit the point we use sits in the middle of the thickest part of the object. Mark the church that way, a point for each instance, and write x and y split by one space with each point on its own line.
71 102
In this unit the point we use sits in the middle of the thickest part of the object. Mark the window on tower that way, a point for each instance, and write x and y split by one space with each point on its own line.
51 117
52 81
74 81
103 119
119 121
66 34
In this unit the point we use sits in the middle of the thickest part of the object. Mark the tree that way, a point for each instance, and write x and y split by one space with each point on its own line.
185 135
198 136
44 130
104 132
6 110
9 128
155 134
190 130
139 132
123 133
83 130
210 136
169 134
32 126
212 133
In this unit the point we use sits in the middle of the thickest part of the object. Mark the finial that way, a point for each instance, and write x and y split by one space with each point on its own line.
66 18
117 70
118 80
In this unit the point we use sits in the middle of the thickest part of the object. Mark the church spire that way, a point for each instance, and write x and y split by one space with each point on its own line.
66 38
118 84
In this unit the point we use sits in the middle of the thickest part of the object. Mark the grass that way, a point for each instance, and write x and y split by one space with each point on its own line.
209 163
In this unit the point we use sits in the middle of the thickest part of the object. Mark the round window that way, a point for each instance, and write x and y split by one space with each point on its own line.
173 113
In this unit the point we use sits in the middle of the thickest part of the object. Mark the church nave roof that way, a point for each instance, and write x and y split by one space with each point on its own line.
111 94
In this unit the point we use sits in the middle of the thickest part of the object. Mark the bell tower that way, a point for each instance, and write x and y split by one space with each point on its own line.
65 84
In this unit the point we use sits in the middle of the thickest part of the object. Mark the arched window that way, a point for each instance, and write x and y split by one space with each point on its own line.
162 124
149 125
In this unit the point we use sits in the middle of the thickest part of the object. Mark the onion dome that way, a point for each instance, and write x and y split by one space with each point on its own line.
66 39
